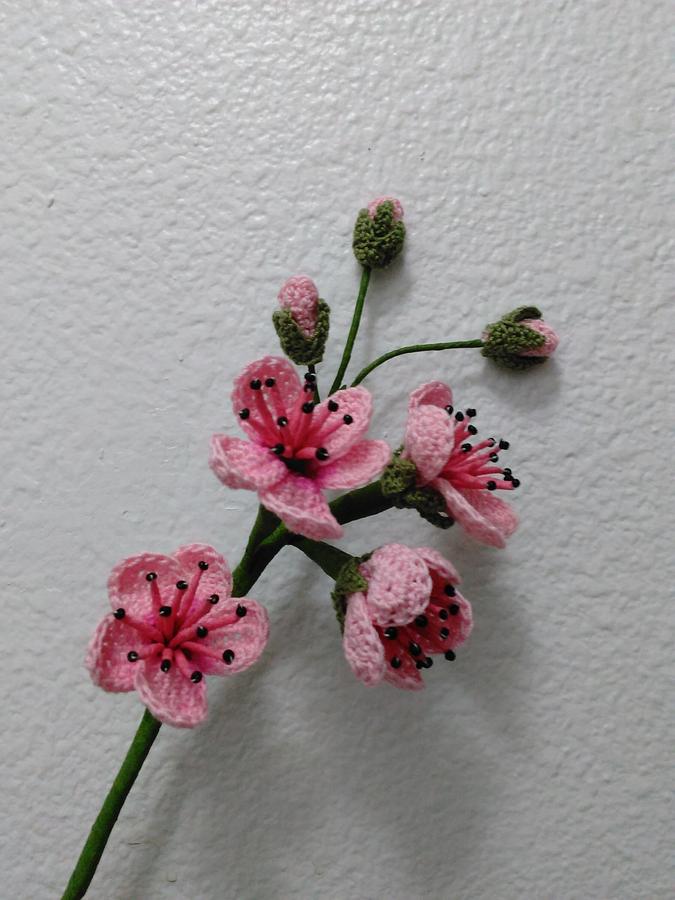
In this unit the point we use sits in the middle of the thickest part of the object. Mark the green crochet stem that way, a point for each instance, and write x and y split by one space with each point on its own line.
328 558
353 331
413 348
112 805
268 536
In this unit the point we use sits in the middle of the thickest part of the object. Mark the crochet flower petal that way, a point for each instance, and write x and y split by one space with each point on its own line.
482 515
170 696
429 440
433 393
361 644
245 637
442 570
243 464
211 569
248 395
399 584
343 427
107 655
129 588
302 507
406 677
358 466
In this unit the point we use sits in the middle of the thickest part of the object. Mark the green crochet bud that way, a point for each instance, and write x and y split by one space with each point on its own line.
379 233
520 339
349 581
398 482
303 321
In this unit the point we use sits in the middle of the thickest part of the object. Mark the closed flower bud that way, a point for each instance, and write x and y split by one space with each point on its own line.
379 233
302 322
520 339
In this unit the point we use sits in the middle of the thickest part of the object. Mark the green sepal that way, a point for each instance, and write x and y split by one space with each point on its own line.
349 581
505 340
379 240
398 482
303 351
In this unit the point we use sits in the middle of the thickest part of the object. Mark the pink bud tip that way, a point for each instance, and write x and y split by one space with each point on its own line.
374 204
301 298
550 338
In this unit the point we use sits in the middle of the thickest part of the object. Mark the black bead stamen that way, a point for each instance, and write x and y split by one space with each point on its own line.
214 598
244 413
132 656
278 449
472 429
165 665
241 611
164 611
119 613
421 621
428 662
443 614
504 445
494 457
395 662
453 609
333 406
515 482
256 384
321 453
449 410
228 656
444 633
307 407
182 585
471 412
449 589
310 377
203 565
491 485
459 416
151 576
270 382
391 633
196 677
347 419
282 421
450 655
202 631
466 447
414 649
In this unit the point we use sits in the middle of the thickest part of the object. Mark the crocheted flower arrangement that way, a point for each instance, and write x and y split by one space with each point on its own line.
178 618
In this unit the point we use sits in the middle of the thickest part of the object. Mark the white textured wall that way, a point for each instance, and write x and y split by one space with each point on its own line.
165 166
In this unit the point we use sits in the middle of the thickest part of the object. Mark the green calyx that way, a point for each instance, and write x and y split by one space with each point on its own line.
302 350
398 482
349 581
379 240
506 339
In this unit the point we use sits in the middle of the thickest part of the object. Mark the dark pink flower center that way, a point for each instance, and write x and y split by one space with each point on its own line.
473 466
297 430
174 632
435 631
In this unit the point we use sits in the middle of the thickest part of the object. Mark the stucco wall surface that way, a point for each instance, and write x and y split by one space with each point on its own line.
166 165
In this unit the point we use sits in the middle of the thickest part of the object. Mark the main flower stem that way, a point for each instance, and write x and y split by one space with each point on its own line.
105 820
353 331
413 348
268 536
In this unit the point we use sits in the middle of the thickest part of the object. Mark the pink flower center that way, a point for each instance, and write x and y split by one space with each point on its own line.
474 466
435 631
174 632
294 431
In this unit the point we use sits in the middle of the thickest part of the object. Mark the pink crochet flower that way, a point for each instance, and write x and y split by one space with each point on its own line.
173 622
438 441
551 339
297 448
410 612
300 296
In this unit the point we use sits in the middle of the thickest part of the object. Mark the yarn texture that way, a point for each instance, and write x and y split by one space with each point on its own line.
303 322
173 622
520 339
410 612
379 233
296 448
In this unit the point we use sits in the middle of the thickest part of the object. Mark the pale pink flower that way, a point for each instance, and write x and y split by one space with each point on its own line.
551 339
374 205
438 440
410 612
299 295
296 448
173 622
